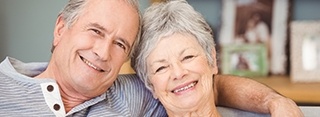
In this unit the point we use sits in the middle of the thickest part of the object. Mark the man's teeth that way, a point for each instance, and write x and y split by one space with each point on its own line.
91 65
185 88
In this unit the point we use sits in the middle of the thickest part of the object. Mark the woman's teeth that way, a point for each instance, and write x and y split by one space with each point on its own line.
185 88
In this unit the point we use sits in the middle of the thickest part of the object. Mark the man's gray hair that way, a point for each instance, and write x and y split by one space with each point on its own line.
71 12
73 9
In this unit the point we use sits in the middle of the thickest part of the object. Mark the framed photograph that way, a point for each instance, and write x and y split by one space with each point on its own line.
247 60
305 51
258 22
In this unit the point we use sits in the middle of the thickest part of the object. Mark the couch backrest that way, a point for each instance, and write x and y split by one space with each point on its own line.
126 68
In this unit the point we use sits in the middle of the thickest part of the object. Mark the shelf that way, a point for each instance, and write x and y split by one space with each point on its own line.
301 93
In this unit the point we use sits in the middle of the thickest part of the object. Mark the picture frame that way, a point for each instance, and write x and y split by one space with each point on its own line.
258 21
249 60
305 51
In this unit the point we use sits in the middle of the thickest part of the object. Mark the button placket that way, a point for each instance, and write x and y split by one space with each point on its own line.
53 98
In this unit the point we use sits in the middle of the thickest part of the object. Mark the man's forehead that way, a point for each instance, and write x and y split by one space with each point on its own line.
128 28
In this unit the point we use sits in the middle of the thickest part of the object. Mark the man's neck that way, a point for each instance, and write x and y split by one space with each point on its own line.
70 97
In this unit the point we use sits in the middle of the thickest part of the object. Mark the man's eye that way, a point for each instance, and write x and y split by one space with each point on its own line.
121 45
96 31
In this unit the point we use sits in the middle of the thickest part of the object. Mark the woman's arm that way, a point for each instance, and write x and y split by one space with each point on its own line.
247 94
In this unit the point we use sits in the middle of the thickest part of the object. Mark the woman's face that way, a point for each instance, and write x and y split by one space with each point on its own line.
179 72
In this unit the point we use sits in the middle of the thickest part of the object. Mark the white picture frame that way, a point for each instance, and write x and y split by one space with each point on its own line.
305 51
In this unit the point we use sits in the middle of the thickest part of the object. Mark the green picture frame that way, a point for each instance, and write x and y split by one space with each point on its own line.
248 60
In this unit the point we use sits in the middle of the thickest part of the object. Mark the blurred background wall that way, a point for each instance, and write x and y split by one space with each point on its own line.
26 30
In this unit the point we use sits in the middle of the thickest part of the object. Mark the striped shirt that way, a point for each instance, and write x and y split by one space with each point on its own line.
22 95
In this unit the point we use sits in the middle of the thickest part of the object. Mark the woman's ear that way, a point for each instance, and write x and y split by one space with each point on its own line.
214 59
154 93
59 29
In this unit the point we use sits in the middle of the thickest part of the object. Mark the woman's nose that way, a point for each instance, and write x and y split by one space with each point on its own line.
178 71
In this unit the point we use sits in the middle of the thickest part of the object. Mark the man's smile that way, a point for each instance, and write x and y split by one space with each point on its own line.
91 65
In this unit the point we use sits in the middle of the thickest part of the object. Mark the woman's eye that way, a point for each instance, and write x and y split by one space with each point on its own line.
160 69
188 57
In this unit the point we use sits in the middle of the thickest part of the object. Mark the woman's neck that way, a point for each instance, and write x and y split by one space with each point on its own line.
199 113
205 108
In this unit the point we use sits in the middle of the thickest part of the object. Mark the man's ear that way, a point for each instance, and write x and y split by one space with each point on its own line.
59 29
214 58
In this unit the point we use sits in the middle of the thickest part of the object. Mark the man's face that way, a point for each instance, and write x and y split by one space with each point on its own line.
89 54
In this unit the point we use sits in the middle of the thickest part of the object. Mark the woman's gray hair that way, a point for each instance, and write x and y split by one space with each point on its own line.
71 12
164 19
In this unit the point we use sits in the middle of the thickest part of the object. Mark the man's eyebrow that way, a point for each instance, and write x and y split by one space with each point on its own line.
96 25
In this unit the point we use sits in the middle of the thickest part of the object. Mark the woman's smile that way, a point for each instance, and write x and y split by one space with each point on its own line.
185 87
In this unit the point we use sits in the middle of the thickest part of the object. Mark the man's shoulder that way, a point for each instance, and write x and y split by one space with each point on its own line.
129 82
139 99
128 76
129 79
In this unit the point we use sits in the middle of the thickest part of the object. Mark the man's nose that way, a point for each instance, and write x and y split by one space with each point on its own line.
103 50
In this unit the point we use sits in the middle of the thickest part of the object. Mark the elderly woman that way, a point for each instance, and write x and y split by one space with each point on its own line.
176 59
180 59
